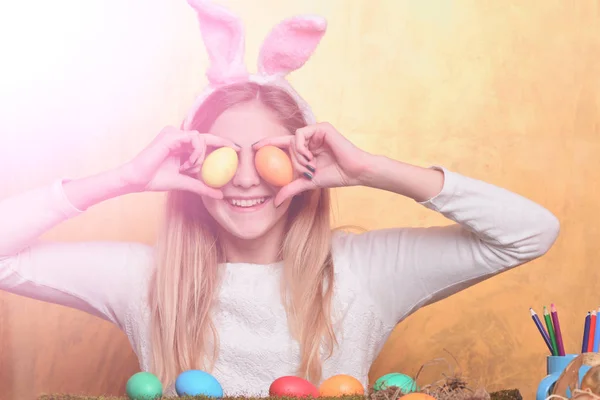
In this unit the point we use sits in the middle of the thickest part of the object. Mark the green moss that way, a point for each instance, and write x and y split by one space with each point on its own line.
512 394
500 395
72 397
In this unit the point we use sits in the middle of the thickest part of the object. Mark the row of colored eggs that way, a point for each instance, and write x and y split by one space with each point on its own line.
344 385
146 386
272 164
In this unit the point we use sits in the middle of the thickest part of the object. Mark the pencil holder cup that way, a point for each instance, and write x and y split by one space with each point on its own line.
555 365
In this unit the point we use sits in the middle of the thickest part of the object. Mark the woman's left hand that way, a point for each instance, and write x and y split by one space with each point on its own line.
323 156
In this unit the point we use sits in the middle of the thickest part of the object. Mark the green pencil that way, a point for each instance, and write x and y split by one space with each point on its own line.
550 328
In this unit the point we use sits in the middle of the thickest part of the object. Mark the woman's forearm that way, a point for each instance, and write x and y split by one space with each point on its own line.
28 215
86 192
418 183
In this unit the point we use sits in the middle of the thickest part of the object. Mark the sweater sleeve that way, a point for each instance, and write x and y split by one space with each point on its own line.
100 278
407 268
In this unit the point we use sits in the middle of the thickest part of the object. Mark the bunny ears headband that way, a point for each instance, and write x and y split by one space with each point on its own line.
285 49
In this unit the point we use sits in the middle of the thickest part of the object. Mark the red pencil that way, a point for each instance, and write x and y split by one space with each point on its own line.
590 345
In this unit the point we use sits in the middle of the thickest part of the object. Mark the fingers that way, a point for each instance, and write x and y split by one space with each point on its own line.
199 143
177 141
193 170
295 187
197 154
318 134
302 165
184 182
310 130
302 138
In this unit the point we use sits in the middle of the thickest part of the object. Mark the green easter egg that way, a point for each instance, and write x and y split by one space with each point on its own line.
144 386
405 383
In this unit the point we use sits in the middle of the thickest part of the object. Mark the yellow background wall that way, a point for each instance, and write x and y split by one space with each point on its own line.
504 91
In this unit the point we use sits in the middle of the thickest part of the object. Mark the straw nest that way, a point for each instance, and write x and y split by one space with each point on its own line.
453 385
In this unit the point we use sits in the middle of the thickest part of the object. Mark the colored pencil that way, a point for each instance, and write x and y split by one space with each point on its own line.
597 335
590 346
556 322
586 333
550 331
538 323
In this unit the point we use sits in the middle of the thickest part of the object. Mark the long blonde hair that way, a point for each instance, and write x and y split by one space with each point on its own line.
186 279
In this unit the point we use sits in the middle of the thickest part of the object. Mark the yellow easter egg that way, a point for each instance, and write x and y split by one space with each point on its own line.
219 167
274 165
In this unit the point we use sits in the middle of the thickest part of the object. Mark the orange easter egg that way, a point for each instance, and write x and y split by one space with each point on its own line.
274 165
417 396
341 385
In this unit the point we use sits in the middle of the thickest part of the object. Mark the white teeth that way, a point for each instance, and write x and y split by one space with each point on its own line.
247 203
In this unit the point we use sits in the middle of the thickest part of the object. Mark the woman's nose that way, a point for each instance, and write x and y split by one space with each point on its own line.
246 175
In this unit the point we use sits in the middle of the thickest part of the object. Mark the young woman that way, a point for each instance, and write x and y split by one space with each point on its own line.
249 281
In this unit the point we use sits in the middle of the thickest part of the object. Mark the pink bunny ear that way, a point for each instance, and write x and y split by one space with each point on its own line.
223 36
290 44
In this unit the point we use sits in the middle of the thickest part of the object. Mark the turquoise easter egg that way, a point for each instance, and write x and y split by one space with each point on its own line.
198 383
405 383
144 386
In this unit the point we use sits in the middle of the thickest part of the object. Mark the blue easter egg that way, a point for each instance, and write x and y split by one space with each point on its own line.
198 383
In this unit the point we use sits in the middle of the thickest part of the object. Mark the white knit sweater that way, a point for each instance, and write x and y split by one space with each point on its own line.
381 277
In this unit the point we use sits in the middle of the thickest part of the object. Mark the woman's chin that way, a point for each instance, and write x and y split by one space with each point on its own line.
247 234
248 230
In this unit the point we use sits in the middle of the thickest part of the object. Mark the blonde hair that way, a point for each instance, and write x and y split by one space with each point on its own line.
186 279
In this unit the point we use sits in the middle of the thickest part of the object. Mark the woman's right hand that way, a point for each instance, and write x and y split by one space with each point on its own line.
165 164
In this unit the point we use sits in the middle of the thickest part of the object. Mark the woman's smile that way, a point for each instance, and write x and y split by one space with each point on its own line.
247 204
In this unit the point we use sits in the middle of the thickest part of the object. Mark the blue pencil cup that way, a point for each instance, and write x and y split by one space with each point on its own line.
555 365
